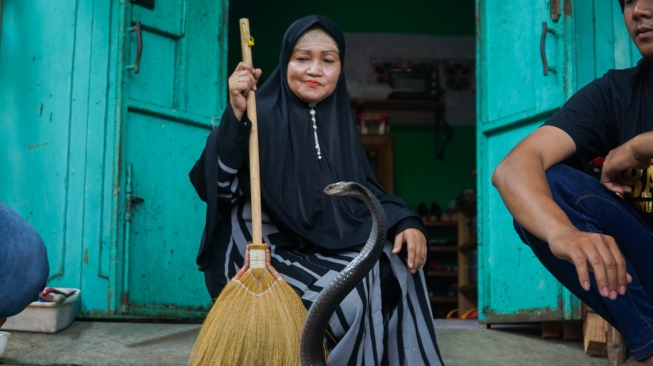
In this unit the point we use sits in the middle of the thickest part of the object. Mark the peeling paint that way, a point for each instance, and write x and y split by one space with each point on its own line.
36 146
86 256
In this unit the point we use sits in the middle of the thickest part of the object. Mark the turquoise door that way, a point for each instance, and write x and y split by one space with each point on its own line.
516 95
578 41
76 124
165 113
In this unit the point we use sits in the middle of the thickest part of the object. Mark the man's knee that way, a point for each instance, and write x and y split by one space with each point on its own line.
564 180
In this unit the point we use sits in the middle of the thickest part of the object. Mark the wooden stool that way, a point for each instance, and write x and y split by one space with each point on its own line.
616 347
601 339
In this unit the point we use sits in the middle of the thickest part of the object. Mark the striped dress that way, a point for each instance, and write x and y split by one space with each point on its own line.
360 332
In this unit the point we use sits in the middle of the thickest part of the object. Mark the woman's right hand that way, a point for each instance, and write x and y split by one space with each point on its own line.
241 82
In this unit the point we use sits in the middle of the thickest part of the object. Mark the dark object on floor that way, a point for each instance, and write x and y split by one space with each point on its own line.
465 196
451 212
423 212
436 212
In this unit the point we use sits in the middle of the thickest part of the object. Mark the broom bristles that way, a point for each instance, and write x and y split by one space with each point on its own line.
256 320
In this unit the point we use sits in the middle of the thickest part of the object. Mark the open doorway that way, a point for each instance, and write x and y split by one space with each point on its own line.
412 65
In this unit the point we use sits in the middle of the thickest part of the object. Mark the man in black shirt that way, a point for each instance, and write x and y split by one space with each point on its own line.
575 224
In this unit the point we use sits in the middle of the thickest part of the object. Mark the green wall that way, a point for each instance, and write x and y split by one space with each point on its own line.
420 177
270 19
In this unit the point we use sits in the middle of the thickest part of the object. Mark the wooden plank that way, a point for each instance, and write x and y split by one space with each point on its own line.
550 329
616 347
437 224
572 330
594 334
443 248
397 105
468 246
464 217
442 274
443 299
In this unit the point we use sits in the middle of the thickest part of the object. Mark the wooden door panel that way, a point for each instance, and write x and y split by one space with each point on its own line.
206 87
165 227
168 113
514 85
515 285
515 98
37 124
168 16
155 83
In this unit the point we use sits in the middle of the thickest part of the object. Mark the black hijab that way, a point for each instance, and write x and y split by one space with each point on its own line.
292 177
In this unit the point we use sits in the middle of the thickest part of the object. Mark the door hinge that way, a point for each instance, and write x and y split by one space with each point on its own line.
130 201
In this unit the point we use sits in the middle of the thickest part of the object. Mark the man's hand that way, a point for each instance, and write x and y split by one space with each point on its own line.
240 83
593 252
416 247
632 154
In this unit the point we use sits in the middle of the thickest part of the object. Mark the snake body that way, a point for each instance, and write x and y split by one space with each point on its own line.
312 341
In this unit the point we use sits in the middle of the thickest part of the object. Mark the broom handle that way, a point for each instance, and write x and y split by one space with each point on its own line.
254 175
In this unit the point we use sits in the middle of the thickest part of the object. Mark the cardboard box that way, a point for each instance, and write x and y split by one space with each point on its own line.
46 317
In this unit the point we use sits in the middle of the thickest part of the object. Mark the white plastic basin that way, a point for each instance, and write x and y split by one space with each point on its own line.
4 337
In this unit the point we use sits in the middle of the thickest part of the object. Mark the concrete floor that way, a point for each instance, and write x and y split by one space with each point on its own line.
462 342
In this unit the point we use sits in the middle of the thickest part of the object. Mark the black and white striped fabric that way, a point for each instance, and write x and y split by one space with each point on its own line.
358 333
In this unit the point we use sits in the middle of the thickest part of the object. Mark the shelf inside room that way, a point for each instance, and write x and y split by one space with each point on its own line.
434 274
442 272
396 105
443 248
440 224
467 257
443 299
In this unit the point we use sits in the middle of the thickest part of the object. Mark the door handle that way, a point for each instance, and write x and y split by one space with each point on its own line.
139 51
545 63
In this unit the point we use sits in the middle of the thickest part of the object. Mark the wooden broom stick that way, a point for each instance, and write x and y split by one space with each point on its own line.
258 318
246 42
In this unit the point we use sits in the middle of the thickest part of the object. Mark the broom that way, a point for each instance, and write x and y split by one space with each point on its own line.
257 320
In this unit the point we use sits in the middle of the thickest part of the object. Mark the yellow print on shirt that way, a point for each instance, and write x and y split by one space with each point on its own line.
642 188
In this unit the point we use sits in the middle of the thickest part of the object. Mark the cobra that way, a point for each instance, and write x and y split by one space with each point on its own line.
312 341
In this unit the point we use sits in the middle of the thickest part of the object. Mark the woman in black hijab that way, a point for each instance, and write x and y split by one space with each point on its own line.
307 140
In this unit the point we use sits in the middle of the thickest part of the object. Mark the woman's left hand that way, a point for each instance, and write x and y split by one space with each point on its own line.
416 246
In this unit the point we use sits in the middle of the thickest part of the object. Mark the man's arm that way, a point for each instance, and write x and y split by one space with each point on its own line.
531 204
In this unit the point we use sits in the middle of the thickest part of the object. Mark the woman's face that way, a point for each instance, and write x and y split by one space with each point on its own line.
313 72
638 15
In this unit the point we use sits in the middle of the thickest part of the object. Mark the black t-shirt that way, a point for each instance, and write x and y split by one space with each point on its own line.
605 114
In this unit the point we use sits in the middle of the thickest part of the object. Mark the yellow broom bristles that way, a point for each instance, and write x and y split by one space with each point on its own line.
256 320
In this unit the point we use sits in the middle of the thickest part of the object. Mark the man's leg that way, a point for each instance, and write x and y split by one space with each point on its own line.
592 208
23 263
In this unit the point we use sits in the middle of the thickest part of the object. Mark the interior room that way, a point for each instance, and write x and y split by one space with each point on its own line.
421 142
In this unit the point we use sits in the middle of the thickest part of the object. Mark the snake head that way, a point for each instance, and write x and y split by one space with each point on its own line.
339 189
